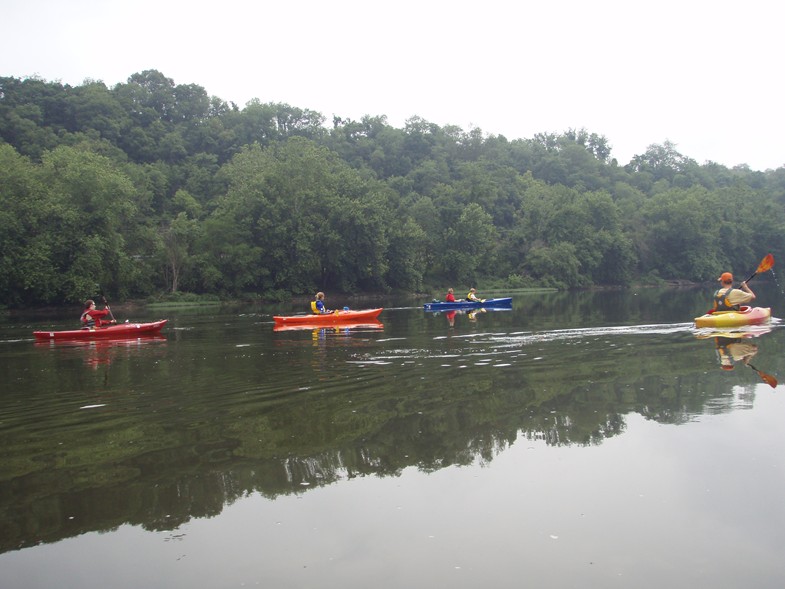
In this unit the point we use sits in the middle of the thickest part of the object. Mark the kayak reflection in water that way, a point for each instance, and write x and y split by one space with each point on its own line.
731 350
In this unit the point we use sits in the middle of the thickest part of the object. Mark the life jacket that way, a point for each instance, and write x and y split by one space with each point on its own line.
722 302
314 308
87 320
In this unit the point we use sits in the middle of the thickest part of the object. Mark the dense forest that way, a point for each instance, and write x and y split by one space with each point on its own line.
151 187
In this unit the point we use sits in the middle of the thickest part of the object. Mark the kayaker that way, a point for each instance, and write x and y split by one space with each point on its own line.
472 296
728 298
317 305
91 317
450 298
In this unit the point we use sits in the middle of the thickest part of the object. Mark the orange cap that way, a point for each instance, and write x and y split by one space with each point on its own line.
726 277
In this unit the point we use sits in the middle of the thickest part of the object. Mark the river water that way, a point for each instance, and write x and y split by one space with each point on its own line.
586 439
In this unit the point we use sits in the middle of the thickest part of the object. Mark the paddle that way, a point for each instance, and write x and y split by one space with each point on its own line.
103 300
765 265
767 378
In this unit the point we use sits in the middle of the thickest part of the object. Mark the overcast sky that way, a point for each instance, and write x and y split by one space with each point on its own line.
703 74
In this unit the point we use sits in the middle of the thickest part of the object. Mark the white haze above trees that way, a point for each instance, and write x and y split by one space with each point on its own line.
703 75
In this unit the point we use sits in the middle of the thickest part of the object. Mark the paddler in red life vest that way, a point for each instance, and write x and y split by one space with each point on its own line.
317 305
728 298
450 298
91 317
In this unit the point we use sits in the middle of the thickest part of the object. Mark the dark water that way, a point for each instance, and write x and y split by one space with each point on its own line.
578 440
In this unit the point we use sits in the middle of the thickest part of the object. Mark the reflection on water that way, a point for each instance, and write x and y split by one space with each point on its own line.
158 433
100 352
321 328
737 347
472 315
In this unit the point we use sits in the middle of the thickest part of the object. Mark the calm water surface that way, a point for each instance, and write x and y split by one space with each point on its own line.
578 440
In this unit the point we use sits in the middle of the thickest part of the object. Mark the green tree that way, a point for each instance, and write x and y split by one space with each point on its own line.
177 238
311 220
681 237
94 207
555 265
470 245
93 107
28 217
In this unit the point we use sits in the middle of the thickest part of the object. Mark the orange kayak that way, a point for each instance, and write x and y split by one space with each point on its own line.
336 317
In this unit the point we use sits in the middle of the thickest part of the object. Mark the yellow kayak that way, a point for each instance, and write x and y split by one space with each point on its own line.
744 316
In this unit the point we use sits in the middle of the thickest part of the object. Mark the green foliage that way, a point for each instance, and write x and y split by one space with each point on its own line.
555 266
150 187
407 255
469 244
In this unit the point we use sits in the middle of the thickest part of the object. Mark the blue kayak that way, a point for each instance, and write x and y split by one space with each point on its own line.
445 306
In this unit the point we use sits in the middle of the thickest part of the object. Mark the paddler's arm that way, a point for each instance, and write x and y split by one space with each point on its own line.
747 289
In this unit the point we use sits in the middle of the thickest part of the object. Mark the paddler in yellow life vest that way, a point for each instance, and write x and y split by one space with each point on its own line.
728 298
472 296
317 305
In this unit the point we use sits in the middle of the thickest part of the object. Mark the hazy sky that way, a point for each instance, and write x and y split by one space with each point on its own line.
703 74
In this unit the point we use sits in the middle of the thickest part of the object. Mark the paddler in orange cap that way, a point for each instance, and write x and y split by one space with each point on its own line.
728 298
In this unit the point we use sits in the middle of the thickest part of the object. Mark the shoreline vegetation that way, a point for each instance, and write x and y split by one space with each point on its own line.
152 187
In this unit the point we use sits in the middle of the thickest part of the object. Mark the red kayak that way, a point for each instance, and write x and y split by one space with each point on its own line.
336 317
118 330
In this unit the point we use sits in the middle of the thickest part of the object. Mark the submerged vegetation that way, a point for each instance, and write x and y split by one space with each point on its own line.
151 187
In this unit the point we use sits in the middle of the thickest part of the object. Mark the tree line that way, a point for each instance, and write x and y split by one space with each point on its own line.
152 187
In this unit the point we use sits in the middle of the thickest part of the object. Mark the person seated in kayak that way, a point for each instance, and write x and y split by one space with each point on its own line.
317 305
450 298
472 296
92 317
728 298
